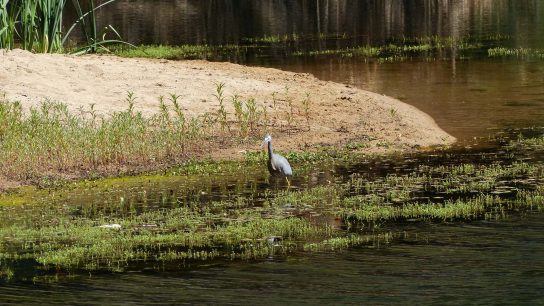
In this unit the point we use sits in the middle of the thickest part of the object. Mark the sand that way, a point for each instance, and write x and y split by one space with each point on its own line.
339 114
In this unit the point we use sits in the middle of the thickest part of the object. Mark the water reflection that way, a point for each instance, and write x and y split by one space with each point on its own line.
366 21
467 98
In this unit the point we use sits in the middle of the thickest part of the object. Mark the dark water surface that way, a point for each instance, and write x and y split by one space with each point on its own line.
482 262
364 21
464 263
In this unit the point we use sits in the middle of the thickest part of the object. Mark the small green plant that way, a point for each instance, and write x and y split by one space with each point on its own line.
177 108
239 113
253 115
163 110
221 114
290 110
274 99
393 112
7 273
356 145
131 100
247 116
306 105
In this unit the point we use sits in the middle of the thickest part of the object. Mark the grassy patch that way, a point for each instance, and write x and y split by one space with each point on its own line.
177 52
402 49
523 53
52 141
398 49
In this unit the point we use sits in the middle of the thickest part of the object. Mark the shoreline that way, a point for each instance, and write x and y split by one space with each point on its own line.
302 112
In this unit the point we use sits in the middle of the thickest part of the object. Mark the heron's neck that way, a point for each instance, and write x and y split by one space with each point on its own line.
270 150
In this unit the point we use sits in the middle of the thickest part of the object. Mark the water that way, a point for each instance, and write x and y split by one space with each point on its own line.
365 21
470 98
463 263
484 262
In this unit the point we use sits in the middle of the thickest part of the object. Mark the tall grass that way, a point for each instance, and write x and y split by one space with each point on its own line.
51 140
36 25
8 19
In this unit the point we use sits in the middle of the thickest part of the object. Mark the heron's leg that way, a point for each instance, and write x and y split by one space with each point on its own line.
288 182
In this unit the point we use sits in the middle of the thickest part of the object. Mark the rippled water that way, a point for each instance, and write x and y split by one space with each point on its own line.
462 263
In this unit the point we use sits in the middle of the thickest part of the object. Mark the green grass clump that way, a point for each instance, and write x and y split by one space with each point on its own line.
402 49
516 52
533 143
340 243
176 52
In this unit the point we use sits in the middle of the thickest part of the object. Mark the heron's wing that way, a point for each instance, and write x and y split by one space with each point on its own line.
273 165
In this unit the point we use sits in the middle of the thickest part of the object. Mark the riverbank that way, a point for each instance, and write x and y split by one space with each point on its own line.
235 105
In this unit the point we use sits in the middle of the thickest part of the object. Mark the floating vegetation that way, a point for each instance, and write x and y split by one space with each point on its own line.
340 243
397 49
527 144
272 39
516 52
178 52
403 48
293 37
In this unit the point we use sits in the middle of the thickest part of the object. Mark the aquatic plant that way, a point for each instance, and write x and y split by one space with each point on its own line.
405 48
185 51
36 25
516 52
272 39
221 115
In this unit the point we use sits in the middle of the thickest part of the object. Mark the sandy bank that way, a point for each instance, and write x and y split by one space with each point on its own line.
338 114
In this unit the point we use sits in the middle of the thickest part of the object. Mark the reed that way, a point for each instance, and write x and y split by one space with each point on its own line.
36 25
